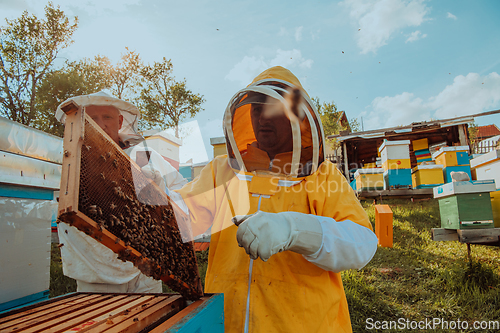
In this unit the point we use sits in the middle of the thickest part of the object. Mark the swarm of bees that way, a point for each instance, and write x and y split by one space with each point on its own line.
108 195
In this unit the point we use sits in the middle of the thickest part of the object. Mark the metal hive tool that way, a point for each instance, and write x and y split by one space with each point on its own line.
104 194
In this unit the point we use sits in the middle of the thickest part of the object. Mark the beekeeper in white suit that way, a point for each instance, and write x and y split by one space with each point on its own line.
95 267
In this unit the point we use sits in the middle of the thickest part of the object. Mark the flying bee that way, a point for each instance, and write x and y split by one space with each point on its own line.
102 176
112 206
104 158
115 163
108 154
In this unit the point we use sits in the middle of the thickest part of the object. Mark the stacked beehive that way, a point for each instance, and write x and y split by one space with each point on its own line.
425 174
453 159
396 163
465 204
421 150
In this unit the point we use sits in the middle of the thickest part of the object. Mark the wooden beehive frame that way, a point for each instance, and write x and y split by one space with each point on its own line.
70 208
101 312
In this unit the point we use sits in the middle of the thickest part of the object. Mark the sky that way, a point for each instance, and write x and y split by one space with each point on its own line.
385 62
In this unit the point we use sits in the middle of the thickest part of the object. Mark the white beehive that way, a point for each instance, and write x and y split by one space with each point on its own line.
395 150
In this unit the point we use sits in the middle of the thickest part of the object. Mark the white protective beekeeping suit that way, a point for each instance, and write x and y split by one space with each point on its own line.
94 266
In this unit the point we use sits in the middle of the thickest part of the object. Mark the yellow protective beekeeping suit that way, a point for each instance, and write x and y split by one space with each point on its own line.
287 293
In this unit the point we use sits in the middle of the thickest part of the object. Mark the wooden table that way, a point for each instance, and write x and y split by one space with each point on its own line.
490 236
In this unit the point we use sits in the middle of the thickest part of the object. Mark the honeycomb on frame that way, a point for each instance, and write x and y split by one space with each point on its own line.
104 194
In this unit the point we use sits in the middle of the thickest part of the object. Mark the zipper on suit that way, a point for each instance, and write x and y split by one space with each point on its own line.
250 268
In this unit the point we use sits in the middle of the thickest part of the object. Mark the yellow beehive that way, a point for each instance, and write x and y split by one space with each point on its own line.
369 179
397 164
495 206
452 156
427 175
420 144
369 166
447 159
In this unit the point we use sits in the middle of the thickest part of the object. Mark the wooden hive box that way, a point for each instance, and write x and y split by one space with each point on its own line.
427 175
371 179
102 312
465 205
104 194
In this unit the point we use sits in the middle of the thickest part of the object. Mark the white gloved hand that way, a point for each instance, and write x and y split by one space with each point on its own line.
155 175
264 234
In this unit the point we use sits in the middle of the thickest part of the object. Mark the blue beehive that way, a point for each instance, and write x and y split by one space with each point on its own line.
448 170
397 178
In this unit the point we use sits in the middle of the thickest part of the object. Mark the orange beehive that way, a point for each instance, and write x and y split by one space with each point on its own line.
383 225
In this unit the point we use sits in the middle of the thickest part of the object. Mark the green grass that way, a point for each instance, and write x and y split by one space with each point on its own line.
416 279
59 283
419 279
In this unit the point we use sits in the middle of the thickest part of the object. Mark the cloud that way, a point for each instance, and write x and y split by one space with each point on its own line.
466 95
246 70
451 16
99 7
401 109
298 33
290 58
249 67
282 32
378 20
315 34
13 9
416 35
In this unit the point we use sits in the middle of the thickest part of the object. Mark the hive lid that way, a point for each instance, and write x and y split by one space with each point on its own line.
472 186
368 171
394 143
445 149
485 158
428 167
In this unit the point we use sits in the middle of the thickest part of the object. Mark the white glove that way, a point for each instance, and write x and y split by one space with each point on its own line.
264 234
153 174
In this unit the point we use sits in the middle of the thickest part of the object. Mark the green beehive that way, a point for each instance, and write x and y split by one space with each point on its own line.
465 205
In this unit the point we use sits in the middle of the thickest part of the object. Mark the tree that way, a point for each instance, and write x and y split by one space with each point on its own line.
73 79
474 142
354 125
125 75
28 48
330 118
164 100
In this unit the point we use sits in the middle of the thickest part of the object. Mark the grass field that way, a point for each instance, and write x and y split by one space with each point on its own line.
419 279
414 281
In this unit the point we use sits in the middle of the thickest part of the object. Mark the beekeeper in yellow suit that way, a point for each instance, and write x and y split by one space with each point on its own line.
300 223
95 267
